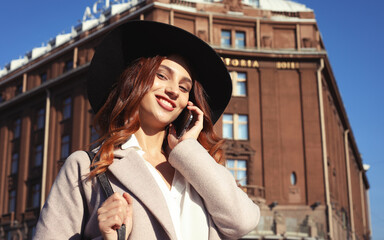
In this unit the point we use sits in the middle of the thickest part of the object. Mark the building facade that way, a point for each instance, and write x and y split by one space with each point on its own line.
289 142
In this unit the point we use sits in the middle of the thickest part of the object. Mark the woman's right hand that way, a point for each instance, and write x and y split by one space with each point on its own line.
114 212
193 130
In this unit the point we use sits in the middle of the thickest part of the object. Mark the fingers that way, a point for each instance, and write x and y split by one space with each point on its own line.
193 131
129 220
197 112
128 198
172 138
197 123
129 201
117 212
113 213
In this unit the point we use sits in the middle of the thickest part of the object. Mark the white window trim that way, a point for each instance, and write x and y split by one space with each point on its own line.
235 125
236 169
235 80
244 39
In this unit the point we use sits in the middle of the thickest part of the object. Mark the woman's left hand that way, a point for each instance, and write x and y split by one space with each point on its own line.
192 131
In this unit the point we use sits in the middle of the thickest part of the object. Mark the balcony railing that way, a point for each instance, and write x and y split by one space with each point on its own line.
255 192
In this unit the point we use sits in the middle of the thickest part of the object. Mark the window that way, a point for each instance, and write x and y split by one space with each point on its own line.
16 128
64 146
43 77
238 168
14 163
239 83
1 96
235 126
226 38
12 201
293 178
240 39
38 155
40 120
243 127
34 196
66 126
67 108
228 126
19 89
68 65
36 159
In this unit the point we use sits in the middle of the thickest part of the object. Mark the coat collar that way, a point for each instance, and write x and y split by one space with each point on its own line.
138 180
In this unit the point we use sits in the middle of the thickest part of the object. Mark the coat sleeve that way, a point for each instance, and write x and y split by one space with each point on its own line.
64 212
233 213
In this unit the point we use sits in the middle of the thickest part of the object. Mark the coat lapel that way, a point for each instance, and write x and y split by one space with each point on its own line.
132 172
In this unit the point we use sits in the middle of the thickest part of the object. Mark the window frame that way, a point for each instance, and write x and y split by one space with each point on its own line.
235 170
12 199
236 80
32 193
68 65
243 40
43 77
235 123
14 169
40 119
67 108
16 128
67 145
226 38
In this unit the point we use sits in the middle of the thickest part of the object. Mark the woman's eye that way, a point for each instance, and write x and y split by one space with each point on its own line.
184 89
161 76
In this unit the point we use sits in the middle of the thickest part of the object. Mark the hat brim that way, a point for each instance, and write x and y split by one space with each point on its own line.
137 39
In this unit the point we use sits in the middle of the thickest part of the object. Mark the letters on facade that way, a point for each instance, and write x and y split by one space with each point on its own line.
234 62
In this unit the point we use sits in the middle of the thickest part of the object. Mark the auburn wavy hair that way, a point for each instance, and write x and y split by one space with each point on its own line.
118 118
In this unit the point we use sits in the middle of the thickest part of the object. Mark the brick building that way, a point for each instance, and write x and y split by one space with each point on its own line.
289 141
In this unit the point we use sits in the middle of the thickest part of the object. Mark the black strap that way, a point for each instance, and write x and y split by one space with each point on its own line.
106 185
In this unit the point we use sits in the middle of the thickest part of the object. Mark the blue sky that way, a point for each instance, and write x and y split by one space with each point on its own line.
352 32
353 35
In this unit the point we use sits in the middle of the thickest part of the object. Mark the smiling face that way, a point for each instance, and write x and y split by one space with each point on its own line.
168 95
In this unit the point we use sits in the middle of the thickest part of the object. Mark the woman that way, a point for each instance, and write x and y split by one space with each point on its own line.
166 187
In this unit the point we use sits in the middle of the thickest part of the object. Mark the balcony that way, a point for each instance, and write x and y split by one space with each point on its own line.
255 192
7 219
31 214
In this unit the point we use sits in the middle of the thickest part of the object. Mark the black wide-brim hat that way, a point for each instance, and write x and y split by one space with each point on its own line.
136 39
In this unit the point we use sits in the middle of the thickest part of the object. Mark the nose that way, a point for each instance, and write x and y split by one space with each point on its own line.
172 90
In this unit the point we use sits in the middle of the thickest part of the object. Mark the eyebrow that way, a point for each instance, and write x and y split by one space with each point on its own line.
173 72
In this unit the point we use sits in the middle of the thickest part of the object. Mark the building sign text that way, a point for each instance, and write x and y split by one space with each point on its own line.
287 65
234 62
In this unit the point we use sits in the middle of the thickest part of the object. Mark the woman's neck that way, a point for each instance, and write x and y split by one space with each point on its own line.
150 142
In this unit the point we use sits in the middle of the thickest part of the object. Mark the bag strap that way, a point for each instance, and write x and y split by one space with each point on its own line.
106 185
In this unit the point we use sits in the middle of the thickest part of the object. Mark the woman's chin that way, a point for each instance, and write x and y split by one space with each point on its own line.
162 123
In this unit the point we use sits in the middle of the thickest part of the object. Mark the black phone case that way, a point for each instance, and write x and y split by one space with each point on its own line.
182 122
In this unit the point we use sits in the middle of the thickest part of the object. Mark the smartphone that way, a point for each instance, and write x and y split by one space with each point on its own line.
182 122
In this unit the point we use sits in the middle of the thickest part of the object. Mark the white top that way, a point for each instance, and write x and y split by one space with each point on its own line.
186 208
